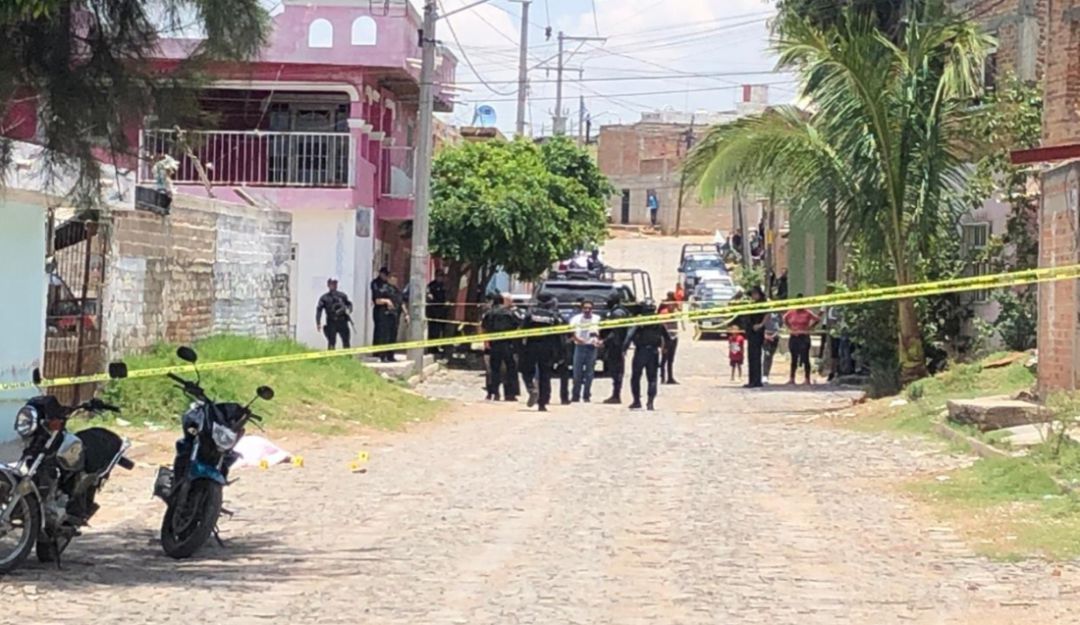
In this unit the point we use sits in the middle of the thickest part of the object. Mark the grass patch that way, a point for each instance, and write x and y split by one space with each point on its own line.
926 398
322 396
1008 508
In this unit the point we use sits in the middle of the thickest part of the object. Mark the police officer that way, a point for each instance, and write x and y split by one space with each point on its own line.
379 317
437 311
503 369
647 341
540 353
337 307
614 358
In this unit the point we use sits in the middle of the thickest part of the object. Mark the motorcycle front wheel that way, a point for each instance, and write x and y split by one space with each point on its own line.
190 520
19 535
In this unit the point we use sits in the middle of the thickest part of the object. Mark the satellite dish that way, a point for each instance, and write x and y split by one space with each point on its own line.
484 116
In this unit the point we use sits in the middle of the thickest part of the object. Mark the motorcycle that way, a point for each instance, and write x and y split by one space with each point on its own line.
192 487
49 493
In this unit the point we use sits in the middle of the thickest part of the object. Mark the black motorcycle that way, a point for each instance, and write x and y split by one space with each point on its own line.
192 488
49 493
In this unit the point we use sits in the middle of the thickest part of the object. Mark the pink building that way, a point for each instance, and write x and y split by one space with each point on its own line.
321 125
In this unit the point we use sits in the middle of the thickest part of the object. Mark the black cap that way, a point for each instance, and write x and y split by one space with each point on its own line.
384 271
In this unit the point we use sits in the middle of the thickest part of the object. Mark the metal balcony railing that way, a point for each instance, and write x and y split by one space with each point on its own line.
255 157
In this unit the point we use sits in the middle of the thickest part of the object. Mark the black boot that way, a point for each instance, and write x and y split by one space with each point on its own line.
649 406
636 405
614 400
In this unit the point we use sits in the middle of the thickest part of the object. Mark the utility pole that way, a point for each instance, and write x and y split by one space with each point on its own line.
682 176
581 120
420 259
523 71
559 127
742 230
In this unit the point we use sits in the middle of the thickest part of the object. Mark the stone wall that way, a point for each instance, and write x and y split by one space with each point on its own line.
210 267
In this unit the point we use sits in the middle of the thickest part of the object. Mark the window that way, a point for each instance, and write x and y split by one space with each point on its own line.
364 31
975 239
989 77
320 34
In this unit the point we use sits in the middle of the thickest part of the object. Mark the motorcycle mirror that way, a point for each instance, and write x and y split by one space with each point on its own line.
118 370
187 354
36 376
265 392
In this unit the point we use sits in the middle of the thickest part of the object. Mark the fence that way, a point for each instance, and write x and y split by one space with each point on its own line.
231 157
73 340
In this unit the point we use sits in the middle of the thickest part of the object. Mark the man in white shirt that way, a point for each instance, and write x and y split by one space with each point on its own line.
586 339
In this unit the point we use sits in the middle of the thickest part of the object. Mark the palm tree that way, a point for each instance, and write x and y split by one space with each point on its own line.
881 141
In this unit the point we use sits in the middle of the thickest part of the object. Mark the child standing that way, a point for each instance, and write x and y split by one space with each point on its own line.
736 341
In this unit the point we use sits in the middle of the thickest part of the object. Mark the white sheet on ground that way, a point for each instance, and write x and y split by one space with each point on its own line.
255 449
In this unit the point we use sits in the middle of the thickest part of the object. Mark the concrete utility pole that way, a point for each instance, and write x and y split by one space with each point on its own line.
420 258
742 230
523 70
581 120
559 126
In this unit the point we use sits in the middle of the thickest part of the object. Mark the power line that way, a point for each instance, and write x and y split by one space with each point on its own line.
636 78
450 25
635 93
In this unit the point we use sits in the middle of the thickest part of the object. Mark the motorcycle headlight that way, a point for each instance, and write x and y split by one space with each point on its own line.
224 437
26 421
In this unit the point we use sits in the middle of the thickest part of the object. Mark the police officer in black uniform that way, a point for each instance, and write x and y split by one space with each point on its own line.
379 317
614 358
437 311
338 309
647 341
502 366
540 353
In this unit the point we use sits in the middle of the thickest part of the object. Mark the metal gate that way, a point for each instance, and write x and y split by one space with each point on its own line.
73 340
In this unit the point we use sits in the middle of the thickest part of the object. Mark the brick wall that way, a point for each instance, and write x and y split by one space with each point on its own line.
645 156
1020 26
1058 309
208 268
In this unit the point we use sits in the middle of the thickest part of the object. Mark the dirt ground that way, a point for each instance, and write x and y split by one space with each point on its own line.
726 505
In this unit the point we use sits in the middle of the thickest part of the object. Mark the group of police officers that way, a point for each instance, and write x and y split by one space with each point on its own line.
537 359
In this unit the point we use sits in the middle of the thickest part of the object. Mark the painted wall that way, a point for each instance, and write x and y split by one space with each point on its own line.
326 246
23 280
807 254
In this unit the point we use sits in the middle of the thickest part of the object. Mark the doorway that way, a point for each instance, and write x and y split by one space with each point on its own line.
624 218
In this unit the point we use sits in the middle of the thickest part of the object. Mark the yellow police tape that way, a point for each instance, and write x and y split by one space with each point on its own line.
879 294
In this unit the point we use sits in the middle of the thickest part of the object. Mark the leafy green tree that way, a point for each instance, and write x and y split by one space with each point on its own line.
87 66
515 206
883 143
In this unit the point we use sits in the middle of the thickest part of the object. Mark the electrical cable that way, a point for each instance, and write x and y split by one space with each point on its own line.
465 57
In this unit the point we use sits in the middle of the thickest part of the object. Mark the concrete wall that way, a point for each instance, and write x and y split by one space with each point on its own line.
24 283
1020 27
326 244
210 267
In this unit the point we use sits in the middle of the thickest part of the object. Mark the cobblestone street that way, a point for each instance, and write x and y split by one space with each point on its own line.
724 506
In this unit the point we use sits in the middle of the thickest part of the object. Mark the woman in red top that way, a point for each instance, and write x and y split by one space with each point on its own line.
800 322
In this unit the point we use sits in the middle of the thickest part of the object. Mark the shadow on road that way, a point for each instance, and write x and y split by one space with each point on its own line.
132 558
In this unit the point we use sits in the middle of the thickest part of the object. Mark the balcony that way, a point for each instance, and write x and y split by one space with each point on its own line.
398 167
252 158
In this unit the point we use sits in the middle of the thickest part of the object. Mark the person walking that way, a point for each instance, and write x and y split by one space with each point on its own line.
671 304
502 366
753 327
437 310
800 323
586 340
614 357
647 340
540 353
772 343
338 310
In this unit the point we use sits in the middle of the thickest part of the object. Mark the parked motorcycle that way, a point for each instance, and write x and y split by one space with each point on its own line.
49 493
192 488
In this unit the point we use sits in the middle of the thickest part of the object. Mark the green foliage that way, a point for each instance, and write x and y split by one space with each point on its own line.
515 205
87 66
314 395
1010 118
884 141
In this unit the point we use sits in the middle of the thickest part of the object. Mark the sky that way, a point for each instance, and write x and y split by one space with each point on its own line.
684 55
